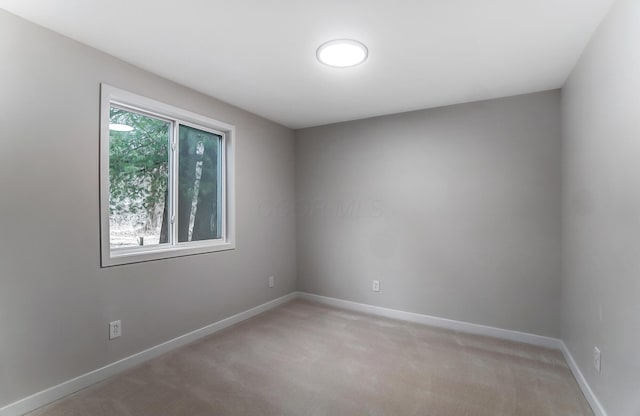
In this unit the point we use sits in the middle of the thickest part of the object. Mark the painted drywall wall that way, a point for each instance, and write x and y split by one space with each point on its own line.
601 210
455 210
55 300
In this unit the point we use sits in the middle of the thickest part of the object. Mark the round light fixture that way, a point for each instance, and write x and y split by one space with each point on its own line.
342 53
119 127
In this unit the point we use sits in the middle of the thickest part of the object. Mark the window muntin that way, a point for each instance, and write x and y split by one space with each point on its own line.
166 180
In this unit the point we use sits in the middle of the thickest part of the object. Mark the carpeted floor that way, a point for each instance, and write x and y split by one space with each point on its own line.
308 359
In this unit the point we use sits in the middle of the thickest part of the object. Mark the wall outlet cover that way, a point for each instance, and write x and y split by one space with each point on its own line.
115 329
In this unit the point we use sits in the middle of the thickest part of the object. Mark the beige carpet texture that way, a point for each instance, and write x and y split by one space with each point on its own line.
307 359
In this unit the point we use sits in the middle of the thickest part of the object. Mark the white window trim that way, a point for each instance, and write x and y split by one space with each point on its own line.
119 256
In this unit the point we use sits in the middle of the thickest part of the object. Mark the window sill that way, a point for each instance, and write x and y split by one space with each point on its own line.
120 257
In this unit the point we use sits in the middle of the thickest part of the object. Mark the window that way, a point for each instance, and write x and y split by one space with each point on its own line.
166 180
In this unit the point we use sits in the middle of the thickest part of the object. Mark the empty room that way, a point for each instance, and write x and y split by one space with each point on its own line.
320 208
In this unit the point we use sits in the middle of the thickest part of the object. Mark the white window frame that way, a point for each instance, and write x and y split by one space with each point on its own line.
129 101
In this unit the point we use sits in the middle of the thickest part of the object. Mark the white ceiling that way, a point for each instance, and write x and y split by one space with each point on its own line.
260 54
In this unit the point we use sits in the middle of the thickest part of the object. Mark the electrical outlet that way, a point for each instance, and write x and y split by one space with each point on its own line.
272 281
376 286
597 362
115 329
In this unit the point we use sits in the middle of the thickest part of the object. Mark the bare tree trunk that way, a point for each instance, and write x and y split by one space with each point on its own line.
187 163
206 221
164 229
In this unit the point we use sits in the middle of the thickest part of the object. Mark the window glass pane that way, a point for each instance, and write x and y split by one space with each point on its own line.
199 185
138 179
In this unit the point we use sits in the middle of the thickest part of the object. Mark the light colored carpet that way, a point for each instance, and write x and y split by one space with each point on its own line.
308 359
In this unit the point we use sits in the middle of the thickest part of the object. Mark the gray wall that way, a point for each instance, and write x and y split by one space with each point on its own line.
601 213
55 301
455 210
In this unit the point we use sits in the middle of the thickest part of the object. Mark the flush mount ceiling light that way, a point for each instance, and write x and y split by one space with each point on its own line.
342 53
119 127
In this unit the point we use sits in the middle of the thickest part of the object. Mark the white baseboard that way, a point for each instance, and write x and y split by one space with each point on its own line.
466 327
470 328
595 404
51 394
71 386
